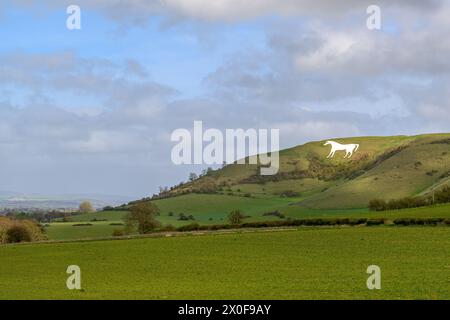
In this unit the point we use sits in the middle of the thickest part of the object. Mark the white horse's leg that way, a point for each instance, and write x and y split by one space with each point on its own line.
329 155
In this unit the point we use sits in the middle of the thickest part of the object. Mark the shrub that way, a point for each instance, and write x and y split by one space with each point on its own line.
354 222
189 227
35 230
402 221
290 194
20 230
17 233
235 217
118 233
168 228
377 205
182 217
375 221
443 195
275 214
418 221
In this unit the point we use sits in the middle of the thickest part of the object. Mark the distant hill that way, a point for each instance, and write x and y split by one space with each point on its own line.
15 200
383 167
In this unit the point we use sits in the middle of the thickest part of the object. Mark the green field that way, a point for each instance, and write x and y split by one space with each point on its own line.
213 209
309 263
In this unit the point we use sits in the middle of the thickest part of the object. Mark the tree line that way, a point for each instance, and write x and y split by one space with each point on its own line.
437 197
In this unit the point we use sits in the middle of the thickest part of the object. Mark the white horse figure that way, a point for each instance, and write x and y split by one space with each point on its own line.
336 146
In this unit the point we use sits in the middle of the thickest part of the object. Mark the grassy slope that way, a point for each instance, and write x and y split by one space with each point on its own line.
304 264
397 176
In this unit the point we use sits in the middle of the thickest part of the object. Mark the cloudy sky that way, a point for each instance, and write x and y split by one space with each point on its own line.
92 110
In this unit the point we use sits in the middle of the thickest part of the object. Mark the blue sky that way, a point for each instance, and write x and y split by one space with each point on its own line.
92 110
180 56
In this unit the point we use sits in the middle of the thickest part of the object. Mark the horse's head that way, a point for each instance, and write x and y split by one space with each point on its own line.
327 143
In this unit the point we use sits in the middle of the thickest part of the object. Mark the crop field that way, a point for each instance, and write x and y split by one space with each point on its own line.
309 263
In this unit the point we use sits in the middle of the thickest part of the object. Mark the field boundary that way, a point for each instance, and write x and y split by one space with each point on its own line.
170 234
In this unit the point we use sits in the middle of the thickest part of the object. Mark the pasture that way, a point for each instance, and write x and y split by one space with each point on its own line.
309 263
213 209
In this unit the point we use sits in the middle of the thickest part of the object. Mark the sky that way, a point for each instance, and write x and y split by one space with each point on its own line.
92 110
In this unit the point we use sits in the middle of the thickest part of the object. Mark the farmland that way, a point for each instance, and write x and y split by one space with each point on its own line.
309 263
213 209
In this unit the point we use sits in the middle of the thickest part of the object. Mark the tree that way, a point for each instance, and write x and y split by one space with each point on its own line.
142 216
235 217
86 207
377 205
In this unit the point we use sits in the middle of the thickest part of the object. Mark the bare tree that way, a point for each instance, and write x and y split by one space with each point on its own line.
86 207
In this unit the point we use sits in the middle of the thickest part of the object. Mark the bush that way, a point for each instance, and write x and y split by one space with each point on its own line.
290 194
182 217
377 205
235 217
35 230
118 233
275 214
418 221
439 196
189 227
375 222
168 228
17 233
20 230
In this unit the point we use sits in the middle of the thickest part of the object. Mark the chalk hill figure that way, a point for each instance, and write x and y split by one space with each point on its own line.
336 146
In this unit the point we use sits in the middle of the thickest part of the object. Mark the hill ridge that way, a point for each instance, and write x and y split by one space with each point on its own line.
384 166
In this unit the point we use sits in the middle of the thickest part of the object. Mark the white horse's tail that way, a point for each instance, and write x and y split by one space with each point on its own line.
357 146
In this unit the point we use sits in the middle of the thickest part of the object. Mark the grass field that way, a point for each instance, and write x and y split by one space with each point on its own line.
213 209
66 230
308 263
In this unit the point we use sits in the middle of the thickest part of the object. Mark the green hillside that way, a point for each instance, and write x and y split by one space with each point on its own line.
383 167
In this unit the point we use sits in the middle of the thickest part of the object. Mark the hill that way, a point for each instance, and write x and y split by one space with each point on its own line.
307 186
383 167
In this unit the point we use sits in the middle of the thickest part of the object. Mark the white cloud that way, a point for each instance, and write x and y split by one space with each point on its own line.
139 11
